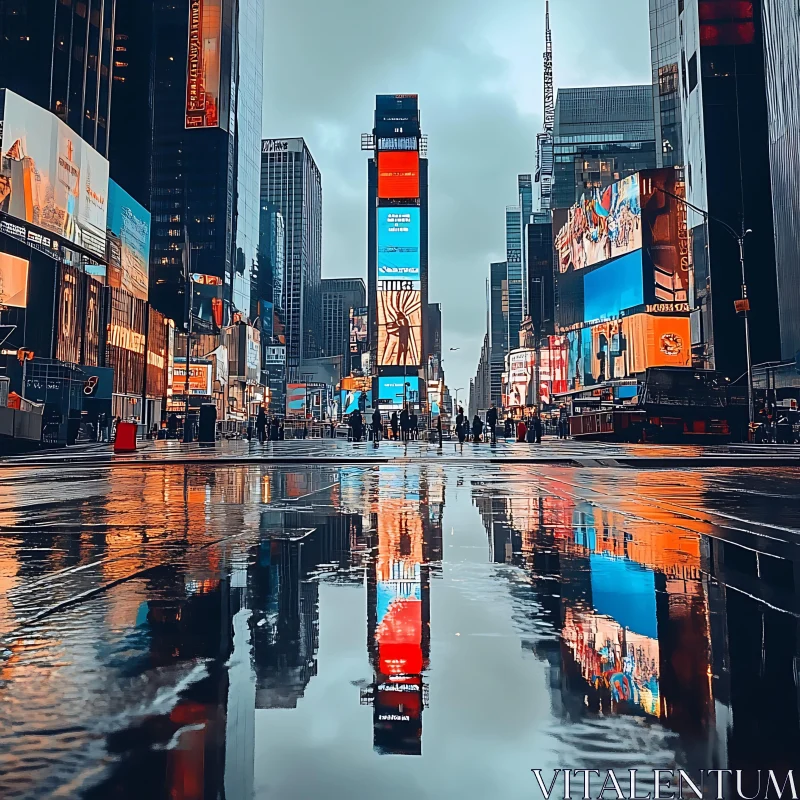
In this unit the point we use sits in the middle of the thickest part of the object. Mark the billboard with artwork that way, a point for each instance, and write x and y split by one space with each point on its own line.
128 242
399 328
13 281
204 64
50 177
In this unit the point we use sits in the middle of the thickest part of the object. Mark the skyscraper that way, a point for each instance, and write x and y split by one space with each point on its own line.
515 272
544 141
665 58
601 134
292 181
541 290
498 328
782 59
60 56
727 154
525 192
339 297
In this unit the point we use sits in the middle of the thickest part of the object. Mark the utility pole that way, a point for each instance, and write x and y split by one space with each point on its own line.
187 432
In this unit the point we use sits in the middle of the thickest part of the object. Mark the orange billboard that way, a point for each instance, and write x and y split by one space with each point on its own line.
203 74
398 175
13 281
199 378
399 328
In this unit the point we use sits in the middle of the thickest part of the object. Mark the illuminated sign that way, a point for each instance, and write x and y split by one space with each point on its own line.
50 177
399 328
199 378
398 175
358 329
204 64
281 146
13 281
296 399
128 242
399 244
393 391
613 288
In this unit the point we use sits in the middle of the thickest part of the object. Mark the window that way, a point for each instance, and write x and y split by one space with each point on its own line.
692 73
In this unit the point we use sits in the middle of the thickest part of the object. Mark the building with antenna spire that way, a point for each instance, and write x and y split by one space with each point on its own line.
544 140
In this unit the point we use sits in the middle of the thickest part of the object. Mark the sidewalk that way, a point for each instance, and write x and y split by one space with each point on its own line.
326 451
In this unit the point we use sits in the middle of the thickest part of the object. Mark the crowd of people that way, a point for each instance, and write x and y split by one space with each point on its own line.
527 429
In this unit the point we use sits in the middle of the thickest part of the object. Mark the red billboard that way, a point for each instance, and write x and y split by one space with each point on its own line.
398 175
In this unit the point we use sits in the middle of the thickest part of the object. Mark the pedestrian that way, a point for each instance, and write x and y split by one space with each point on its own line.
274 430
357 425
282 431
333 429
261 425
477 429
116 427
405 423
522 431
377 426
439 429
172 426
537 427
508 428
394 424
491 423
414 420
103 423
461 425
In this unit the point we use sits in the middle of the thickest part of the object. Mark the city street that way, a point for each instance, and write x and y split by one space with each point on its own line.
429 624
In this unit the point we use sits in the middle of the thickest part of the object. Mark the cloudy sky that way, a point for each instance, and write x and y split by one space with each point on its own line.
476 66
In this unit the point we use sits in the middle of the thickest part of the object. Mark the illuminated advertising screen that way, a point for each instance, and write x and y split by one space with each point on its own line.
50 177
296 399
615 287
624 348
521 368
399 328
359 318
353 399
199 378
203 71
398 175
390 390
128 242
13 281
398 244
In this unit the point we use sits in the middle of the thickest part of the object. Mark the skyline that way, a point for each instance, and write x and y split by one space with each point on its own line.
475 87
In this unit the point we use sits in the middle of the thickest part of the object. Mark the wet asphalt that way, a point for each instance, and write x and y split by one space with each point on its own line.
413 628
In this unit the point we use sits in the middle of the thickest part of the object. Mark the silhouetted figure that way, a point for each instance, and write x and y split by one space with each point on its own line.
394 423
414 422
377 426
274 430
405 423
439 429
261 425
508 428
537 428
491 423
477 429
461 425
522 431
357 425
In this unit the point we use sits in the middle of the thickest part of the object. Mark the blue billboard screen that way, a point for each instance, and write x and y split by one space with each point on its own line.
391 390
351 400
398 244
613 288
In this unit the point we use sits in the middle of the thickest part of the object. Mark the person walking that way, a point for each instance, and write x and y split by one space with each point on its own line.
414 420
103 424
522 431
261 425
491 423
394 424
405 423
508 428
377 426
477 429
537 427
357 424
274 430
439 429
461 425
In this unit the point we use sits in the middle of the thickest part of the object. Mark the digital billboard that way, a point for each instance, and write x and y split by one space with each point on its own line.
354 399
13 281
359 318
398 175
296 399
399 244
604 224
50 177
399 328
203 70
613 288
391 390
128 242
199 378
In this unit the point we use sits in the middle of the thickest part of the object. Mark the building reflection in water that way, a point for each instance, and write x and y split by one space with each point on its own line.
649 624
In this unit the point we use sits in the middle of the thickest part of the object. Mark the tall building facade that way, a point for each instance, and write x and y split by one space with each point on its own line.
60 56
544 141
601 135
397 242
541 284
727 155
782 59
515 272
291 180
665 58
339 297
498 328
526 200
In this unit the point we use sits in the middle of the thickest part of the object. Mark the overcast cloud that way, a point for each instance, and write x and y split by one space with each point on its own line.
476 66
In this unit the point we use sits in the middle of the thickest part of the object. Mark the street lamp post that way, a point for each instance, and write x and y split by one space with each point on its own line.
740 236
461 389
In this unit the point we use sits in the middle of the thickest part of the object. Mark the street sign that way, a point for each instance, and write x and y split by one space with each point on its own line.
741 305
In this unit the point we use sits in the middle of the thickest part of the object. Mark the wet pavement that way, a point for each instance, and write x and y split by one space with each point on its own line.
422 628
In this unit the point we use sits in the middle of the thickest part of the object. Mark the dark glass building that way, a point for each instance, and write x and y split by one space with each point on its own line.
498 328
782 59
515 272
665 59
727 153
59 55
602 134
541 283
339 295
291 180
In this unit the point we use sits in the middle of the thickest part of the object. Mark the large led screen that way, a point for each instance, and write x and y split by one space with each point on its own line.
391 390
203 71
613 288
50 177
13 281
398 244
296 394
128 242
399 328
605 224
352 400
398 175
